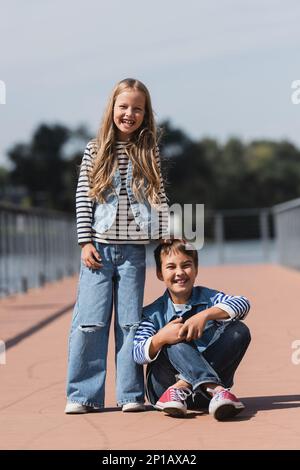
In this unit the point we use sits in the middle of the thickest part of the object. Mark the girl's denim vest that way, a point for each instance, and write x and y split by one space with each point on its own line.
145 216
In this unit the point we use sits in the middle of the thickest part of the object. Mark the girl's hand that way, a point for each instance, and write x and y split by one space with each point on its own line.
90 256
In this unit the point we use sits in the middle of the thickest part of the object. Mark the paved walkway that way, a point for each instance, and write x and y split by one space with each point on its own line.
35 328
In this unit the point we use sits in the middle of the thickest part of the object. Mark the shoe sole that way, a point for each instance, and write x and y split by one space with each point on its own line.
82 412
176 412
171 410
137 410
76 412
227 412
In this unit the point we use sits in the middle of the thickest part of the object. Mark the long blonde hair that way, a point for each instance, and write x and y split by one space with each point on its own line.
141 150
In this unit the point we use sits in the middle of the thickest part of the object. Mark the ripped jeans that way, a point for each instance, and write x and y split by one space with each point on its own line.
119 283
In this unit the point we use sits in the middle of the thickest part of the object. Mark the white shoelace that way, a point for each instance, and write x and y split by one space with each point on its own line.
214 392
182 393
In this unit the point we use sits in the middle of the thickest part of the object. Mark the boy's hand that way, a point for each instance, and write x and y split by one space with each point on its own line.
169 334
90 256
193 327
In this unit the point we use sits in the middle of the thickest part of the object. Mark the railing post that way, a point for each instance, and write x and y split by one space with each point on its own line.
287 224
264 233
219 236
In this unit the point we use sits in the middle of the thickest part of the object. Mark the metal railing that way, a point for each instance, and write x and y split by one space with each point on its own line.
240 233
287 229
36 246
243 236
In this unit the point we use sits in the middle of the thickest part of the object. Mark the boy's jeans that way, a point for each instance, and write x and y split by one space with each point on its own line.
217 364
120 282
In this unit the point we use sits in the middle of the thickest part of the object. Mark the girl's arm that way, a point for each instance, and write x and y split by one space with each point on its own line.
84 205
164 212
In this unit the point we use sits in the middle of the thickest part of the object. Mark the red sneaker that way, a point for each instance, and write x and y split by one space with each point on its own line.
172 401
224 405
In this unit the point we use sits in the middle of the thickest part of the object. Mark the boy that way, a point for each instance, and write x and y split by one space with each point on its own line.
191 338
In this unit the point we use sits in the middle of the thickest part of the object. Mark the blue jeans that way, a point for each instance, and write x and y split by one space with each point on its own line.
120 282
217 364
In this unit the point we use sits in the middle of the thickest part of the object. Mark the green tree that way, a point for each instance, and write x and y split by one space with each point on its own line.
44 167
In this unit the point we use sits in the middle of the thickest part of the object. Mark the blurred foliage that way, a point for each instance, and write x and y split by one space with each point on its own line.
234 175
229 176
48 166
4 177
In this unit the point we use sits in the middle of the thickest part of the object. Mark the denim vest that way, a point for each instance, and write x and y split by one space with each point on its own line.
162 311
145 216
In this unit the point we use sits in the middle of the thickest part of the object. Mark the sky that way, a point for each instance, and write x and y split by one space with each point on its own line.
213 68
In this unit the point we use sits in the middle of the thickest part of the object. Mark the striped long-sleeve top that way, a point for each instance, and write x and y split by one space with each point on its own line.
237 308
124 228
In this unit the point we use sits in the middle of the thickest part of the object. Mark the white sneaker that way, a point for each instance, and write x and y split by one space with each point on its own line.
77 408
134 406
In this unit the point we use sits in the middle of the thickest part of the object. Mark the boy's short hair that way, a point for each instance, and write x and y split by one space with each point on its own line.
173 246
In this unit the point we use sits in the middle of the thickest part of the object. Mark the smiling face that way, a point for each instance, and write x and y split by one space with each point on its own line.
129 112
178 271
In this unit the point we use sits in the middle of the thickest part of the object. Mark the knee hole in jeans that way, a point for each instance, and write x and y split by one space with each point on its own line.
91 328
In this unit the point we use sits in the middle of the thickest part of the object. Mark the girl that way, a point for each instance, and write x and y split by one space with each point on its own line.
120 205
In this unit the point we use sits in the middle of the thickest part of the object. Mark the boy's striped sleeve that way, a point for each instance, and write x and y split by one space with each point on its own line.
236 306
142 341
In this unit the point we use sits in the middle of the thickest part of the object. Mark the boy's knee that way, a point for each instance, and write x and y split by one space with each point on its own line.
241 333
